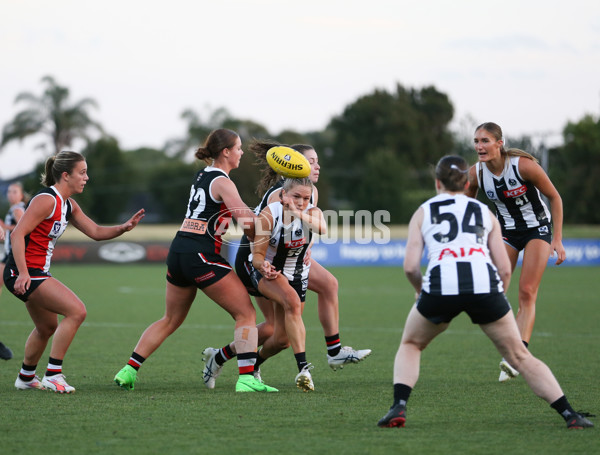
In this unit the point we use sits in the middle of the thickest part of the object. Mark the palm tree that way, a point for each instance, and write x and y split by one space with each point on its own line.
197 131
51 114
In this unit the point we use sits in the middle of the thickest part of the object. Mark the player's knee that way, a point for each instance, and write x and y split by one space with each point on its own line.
414 344
330 286
291 302
80 315
171 323
332 283
245 315
517 356
293 306
46 331
527 295
76 313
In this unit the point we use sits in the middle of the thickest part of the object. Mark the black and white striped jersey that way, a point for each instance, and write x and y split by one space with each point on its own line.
288 245
11 221
518 203
455 231
265 199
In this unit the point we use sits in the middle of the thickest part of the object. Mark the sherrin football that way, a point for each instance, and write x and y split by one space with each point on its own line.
288 162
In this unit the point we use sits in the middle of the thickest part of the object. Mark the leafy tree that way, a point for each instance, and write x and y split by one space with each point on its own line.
197 131
144 164
247 176
405 131
52 115
575 171
387 186
31 181
291 137
170 183
110 186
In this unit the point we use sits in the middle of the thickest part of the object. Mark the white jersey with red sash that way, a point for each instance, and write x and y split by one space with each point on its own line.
39 244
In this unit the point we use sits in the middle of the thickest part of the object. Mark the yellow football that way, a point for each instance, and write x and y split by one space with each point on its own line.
288 162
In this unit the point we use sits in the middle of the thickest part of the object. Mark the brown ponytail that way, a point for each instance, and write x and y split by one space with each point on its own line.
217 141
519 152
453 172
64 161
268 177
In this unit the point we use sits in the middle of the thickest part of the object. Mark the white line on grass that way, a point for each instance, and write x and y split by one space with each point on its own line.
132 325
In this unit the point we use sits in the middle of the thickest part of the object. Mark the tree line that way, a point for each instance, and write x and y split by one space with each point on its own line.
377 154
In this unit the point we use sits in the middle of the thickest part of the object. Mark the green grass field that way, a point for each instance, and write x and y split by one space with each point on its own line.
457 407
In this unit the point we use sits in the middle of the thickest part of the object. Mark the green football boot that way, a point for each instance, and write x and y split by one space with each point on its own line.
126 377
248 383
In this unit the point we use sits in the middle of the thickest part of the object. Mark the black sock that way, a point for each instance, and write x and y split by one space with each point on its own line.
333 345
229 352
259 361
526 344
135 361
563 407
401 393
301 360
224 354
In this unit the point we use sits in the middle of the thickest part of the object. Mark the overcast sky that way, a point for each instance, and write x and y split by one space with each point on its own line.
529 65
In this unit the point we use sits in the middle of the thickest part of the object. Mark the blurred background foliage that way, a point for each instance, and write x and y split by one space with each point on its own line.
377 154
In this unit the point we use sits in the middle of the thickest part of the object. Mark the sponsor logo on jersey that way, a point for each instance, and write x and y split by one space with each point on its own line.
56 230
516 192
295 243
544 230
460 252
206 276
194 226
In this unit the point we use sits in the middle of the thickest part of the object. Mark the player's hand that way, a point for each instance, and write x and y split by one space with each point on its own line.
307 256
268 271
134 220
289 204
22 283
561 254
